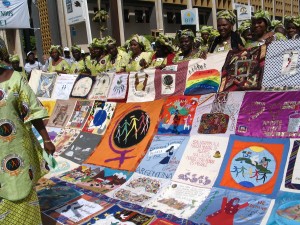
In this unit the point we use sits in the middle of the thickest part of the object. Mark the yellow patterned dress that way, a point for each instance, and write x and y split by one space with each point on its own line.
21 155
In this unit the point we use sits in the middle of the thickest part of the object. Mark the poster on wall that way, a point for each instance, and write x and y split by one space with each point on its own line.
74 11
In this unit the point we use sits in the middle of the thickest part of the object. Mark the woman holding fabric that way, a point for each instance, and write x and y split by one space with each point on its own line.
57 63
21 154
228 39
79 65
140 54
292 26
164 53
117 59
260 27
187 49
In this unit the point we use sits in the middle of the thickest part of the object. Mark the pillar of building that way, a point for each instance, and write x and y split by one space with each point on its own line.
65 33
159 15
214 13
116 15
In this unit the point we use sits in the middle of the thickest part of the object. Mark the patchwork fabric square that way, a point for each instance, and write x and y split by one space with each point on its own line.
270 114
177 115
286 209
292 176
139 189
254 165
231 207
163 156
282 68
126 140
243 70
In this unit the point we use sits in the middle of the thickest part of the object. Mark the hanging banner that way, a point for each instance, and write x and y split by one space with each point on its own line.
14 14
74 11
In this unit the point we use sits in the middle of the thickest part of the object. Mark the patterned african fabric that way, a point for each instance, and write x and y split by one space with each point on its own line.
78 67
62 66
180 58
26 211
134 64
19 163
120 62
21 154
97 67
277 37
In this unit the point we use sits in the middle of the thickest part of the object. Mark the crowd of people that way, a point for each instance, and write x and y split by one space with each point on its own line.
20 107
138 53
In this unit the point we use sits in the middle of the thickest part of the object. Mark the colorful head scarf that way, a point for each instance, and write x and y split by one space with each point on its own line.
214 33
144 42
292 19
14 58
57 47
276 23
228 15
205 29
187 33
75 47
98 43
110 41
245 25
163 40
261 14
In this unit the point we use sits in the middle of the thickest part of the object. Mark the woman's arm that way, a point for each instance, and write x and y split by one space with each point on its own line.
40 127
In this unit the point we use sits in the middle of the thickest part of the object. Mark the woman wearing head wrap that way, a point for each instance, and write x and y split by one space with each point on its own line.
21 154
164 53
97 65
57 63
260 27
278 27
15 63
292 26
79 65
140 54
206 37
245 31
187 49
116 59
228 39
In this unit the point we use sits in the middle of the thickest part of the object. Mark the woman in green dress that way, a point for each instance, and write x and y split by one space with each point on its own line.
164 52
15 63
97 65
140 54
228 39
79 64
187 49
116 59
21 154
57 63
260 27
292 26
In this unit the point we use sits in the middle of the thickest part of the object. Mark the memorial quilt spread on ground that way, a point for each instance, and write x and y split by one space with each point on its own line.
198 142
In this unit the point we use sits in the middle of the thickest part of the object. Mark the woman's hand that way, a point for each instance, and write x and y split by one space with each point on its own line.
49 147
203 55
143 63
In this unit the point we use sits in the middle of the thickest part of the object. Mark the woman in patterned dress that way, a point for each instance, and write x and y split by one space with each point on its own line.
57 63
21 155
